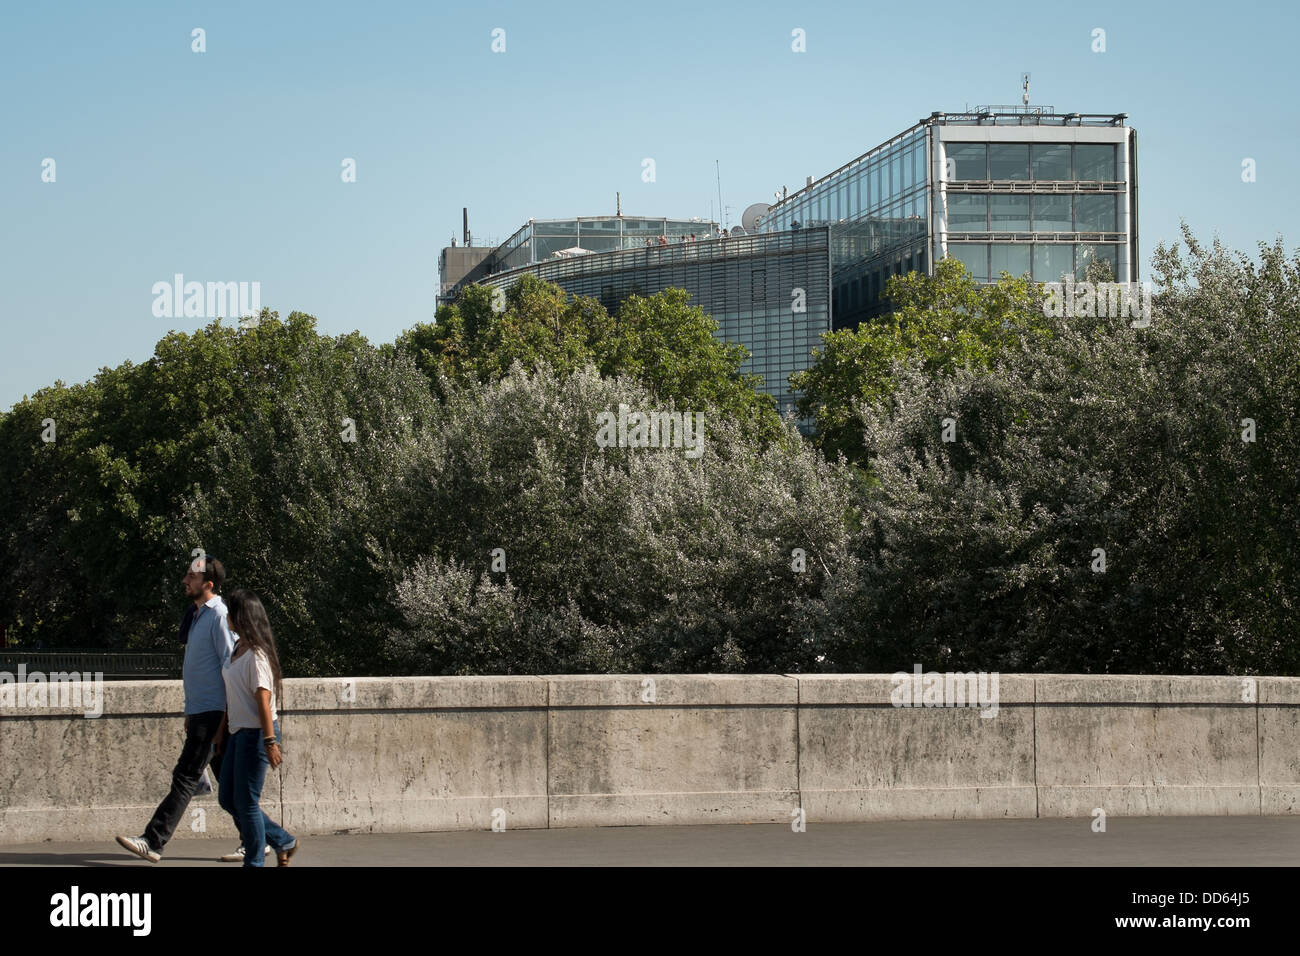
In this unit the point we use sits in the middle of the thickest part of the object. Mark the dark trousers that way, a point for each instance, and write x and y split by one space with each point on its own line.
200 736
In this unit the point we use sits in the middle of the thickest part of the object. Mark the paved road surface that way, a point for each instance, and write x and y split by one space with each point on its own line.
1144 841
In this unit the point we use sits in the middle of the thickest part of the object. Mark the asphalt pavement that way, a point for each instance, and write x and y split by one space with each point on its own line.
1134 841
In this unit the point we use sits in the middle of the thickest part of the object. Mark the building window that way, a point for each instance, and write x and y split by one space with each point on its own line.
1052 214
1052 261
967 213
1009 161
1086 253
967 160
1094 213
974 256
1012 257
1094 161
1051 161
1009 213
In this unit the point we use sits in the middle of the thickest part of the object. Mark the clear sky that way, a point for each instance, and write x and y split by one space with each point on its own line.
226 165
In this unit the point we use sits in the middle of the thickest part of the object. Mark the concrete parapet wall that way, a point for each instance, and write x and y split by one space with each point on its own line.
443 753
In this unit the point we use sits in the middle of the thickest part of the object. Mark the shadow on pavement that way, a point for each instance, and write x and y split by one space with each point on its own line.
106 858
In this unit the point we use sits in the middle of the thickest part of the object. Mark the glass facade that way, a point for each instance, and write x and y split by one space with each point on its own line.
1044 261
750 285
977 212
888 183
1043 202
1010 162
541 239
877 208
1038 208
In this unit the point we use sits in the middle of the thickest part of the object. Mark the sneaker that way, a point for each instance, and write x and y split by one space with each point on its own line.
140 847
238 856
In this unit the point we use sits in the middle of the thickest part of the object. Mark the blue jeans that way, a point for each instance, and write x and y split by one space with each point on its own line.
243 771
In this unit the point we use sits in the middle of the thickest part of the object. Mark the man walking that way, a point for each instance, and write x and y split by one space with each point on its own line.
207 648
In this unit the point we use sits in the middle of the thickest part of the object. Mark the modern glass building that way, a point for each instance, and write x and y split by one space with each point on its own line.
770 293
1004 189
1013 189
539 240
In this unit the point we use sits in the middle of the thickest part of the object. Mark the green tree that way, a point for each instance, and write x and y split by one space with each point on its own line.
944 322
219 442
984 552
309 478
661 341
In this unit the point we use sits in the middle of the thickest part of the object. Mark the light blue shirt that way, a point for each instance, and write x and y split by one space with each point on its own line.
207 650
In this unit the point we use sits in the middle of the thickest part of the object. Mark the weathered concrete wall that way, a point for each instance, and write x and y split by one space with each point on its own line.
66 776
861 758
431 753
1146 746
413 753
1279 745
714 748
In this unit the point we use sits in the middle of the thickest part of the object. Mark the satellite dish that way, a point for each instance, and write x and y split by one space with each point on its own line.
749 218
738 230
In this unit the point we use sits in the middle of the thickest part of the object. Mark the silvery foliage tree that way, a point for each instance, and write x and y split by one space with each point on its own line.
616 559
980 553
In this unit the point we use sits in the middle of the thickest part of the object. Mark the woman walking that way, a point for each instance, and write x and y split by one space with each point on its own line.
253 690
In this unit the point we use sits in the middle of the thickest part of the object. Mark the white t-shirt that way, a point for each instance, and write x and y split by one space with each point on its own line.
243 676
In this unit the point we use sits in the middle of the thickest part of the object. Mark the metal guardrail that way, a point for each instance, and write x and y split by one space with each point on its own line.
1082 237
1034 186
113 665
674 253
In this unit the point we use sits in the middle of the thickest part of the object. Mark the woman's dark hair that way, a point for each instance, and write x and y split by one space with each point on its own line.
247 618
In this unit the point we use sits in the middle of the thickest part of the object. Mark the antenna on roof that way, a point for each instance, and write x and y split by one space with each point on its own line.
618 205
1024 86
718 168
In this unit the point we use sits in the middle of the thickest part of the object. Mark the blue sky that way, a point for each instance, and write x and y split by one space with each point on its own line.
225 165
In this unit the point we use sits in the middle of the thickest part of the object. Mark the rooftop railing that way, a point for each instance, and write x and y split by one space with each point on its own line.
701 250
